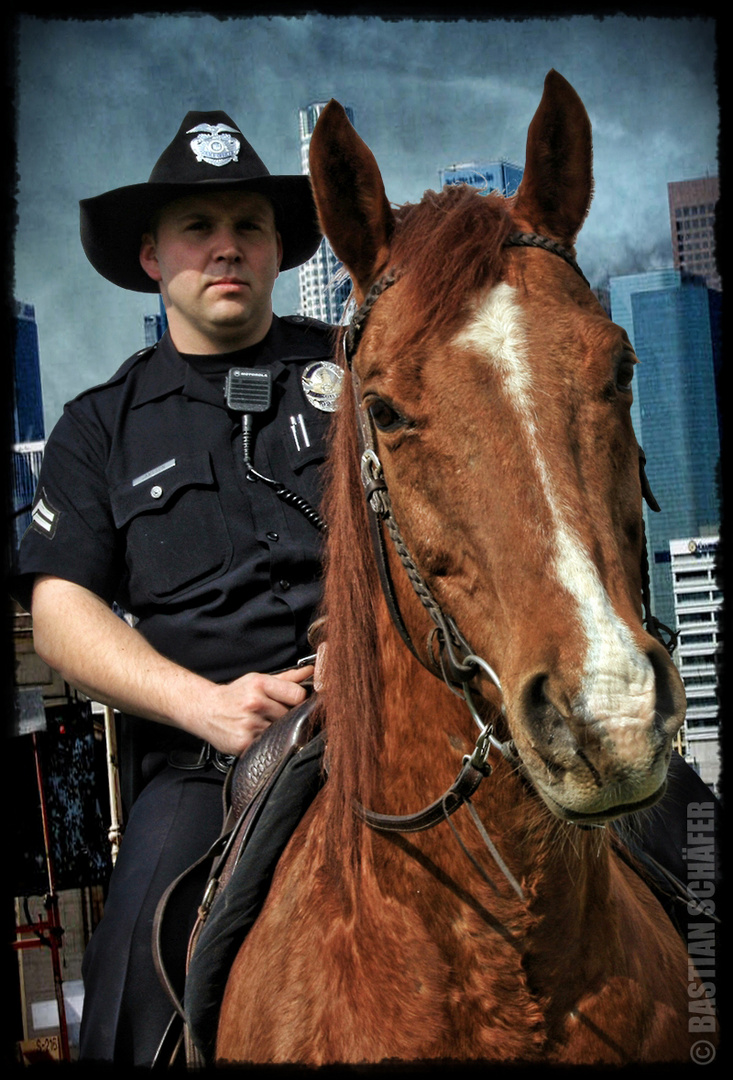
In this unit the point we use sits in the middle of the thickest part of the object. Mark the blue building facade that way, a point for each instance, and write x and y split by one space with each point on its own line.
501 176
28 424
673 324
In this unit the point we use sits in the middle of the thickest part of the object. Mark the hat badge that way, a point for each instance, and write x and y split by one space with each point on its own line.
213 144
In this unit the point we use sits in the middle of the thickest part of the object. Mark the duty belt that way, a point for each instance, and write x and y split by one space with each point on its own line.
182 758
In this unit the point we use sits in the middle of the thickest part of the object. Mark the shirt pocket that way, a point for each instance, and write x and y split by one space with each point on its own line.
306 438
176 536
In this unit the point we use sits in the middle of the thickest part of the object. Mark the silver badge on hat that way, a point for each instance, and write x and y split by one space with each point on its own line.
213 144
322 385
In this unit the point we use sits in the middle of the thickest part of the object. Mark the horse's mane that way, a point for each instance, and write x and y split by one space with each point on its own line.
447 247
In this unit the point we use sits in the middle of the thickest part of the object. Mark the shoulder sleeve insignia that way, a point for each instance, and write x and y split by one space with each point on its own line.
45 516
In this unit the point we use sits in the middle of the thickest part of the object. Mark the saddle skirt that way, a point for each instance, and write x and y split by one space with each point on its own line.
268 791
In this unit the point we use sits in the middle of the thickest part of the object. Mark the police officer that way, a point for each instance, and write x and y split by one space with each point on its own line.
151 503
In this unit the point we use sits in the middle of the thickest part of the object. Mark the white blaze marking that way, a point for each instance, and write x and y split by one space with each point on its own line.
618 679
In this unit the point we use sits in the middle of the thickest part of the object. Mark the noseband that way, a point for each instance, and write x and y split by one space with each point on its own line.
456 662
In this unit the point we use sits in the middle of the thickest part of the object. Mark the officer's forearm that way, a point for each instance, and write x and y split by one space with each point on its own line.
78 635
94 650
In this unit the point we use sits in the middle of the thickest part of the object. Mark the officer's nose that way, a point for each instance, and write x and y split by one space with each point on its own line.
227 248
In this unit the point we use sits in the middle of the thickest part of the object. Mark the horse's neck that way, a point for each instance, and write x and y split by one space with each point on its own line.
425 730
565 872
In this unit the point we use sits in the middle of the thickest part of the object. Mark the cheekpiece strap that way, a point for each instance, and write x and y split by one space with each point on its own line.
356 326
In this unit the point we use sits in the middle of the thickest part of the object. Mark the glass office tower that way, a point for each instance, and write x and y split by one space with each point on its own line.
672 322
155 325
324 285
28 423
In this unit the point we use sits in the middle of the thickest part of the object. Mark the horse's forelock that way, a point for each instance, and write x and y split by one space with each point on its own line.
448 246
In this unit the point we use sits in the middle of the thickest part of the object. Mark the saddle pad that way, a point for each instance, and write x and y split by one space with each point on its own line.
235 911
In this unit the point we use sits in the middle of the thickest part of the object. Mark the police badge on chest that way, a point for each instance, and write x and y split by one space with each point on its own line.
321 383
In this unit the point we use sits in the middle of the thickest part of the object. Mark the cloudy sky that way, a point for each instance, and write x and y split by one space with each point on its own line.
98 99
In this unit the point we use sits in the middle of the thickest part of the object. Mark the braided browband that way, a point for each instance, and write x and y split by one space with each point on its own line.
535 240
352 336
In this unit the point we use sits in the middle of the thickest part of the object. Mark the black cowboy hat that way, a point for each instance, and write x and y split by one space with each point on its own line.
208 154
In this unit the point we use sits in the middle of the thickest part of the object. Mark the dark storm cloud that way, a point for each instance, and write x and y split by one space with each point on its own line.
98 101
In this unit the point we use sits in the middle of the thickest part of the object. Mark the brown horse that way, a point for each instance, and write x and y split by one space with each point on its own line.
493 398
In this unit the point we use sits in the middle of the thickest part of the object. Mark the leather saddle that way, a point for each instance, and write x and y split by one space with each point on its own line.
266 793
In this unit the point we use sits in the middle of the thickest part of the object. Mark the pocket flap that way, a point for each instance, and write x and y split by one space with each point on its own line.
153 489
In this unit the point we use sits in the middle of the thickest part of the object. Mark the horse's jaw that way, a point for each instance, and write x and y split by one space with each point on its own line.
617 807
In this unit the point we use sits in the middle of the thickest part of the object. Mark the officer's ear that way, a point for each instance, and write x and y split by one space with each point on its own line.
149 257
279 251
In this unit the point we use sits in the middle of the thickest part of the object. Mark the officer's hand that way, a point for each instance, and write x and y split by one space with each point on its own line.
246 707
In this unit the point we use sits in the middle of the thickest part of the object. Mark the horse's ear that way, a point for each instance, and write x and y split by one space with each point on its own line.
350 198
557 186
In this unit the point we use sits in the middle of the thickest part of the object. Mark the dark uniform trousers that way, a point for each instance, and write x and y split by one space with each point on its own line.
144 499
173 822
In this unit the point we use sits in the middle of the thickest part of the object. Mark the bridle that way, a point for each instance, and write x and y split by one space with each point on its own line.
456 662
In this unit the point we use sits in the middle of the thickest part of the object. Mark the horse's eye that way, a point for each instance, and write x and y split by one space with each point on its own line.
384 416
625 373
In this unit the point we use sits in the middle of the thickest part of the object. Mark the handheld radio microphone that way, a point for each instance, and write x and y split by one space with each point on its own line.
249 391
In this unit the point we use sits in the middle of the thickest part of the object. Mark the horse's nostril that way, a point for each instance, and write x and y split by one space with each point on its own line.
536 696
669 700
543 715
536 704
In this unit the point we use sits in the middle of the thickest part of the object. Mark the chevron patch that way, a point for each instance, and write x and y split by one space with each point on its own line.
45 516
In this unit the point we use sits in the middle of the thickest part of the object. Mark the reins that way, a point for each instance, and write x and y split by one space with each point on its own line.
456 662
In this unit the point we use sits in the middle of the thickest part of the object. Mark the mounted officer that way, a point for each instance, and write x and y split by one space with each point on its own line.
151 505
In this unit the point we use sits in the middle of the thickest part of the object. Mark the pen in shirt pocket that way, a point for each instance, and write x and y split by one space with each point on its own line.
298 428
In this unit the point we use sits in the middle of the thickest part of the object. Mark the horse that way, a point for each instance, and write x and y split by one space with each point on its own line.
492 697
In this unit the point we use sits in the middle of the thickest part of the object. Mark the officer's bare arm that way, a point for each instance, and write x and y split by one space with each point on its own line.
78 635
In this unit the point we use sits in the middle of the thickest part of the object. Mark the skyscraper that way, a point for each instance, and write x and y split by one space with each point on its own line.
28 425
324 285
692 219
698 608
155 325
28 422
501 176
672 323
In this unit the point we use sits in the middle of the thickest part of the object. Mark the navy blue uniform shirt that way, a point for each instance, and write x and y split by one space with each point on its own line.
143 499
